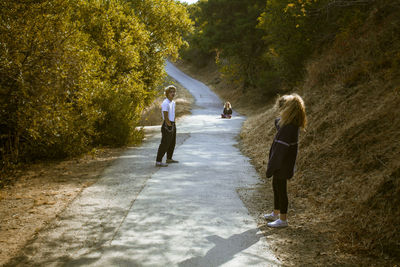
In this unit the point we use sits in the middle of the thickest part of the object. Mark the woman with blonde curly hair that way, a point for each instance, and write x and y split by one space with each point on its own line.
283 154
227 113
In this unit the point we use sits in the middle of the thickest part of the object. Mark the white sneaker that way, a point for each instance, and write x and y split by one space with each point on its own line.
161 164
278 224
271 216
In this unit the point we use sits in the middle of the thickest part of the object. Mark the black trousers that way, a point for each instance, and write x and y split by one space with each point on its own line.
279 185
168 139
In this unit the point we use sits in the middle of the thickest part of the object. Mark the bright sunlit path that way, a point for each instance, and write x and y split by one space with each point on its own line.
188 214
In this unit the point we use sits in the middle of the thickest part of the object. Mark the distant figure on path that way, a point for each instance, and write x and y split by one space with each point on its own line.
227 113
168 128
283 153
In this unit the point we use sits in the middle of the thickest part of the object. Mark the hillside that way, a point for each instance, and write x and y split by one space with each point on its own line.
347 185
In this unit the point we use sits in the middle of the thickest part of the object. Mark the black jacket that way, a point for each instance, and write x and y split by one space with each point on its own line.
227 111
283 152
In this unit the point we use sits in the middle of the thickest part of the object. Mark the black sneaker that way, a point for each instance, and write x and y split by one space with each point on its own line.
172 161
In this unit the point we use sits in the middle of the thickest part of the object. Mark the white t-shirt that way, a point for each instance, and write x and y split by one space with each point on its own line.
168 106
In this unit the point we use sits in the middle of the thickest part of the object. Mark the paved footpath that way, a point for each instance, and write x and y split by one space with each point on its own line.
188 214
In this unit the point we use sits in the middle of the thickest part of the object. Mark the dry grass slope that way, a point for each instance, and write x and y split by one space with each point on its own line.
349 163
347 184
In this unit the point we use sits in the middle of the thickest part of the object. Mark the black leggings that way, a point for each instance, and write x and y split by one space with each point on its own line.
279 185
167 141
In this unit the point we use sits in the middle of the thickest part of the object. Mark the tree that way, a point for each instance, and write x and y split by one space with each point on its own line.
74 74
295 29
229 27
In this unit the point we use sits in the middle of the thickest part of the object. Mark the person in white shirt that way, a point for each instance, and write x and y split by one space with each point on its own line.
168 128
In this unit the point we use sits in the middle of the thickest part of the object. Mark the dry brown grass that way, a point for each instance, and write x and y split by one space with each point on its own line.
40 191
345 196
349 163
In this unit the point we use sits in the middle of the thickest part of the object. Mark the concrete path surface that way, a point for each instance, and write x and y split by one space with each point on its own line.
187 214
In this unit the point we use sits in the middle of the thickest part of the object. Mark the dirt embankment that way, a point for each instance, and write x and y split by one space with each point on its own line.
38 192
345 197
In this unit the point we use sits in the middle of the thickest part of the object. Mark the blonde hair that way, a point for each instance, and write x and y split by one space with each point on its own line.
227 105
292 110
169 88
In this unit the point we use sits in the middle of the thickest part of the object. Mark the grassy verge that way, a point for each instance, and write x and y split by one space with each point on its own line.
344 198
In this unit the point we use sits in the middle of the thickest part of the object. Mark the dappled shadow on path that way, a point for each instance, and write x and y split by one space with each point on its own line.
224 251
91 220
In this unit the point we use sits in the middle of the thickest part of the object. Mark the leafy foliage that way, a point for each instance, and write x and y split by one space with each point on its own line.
228 28
266 44
74 74
295 29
